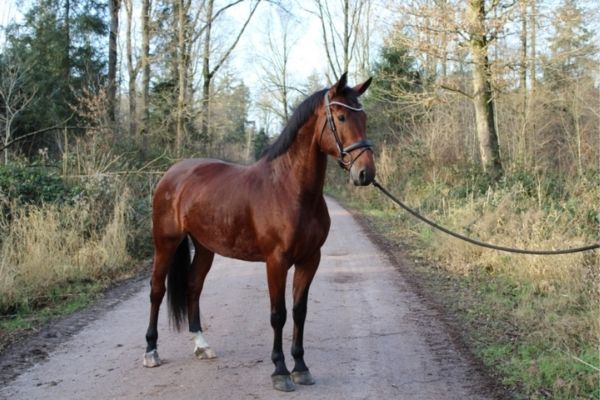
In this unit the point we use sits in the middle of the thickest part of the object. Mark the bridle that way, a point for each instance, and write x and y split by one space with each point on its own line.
344 152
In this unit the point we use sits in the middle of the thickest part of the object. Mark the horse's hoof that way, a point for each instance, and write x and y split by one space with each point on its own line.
303 378
204 353
151 359
283 383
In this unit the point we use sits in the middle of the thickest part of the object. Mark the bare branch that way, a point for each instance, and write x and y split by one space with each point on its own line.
237 39
456 90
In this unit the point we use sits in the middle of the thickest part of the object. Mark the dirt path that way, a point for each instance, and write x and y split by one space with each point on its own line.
367 337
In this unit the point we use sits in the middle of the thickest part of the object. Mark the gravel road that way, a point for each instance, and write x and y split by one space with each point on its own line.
368 336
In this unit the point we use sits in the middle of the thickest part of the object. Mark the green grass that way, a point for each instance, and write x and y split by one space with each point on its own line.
61 300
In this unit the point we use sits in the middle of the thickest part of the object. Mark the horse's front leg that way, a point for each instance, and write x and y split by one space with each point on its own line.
303 276
277 269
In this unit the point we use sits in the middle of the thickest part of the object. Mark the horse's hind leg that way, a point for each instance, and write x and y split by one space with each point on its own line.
201 264
164 253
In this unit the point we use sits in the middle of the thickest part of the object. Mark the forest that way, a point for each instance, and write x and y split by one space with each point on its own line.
485 115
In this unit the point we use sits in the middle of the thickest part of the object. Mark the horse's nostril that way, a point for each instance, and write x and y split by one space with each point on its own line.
362 176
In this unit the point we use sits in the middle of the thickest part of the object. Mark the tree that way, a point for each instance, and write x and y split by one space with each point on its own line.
60 41
145 65
13 99
229 113
340 42
394 94
182 8
571 48
439 32
483 98
568 71
209 69
132 70
275 64
259 143
114 7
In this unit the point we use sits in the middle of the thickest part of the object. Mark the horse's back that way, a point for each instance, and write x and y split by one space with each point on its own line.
209 199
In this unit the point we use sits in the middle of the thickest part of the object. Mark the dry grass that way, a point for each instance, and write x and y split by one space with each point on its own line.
558 295
534 319
53 245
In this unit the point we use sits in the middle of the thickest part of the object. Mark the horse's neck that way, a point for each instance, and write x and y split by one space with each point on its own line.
304 164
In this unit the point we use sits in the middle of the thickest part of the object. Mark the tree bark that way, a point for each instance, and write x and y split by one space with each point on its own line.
132 71
206 73
182 55
67 54
523 61
145 62
482 92
532 44
114 6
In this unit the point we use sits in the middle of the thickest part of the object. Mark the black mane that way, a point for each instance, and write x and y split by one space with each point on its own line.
301 114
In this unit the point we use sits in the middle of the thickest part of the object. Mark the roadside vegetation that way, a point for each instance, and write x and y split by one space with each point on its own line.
533 320
65 238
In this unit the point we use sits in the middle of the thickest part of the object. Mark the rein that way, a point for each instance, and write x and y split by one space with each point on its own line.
477 242
363 144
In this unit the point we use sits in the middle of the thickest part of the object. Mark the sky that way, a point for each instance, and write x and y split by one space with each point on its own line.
306 55
251 44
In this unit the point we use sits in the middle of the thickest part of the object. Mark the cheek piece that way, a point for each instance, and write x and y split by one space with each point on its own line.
345 159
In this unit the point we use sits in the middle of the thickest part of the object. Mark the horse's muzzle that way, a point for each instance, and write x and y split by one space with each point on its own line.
362 175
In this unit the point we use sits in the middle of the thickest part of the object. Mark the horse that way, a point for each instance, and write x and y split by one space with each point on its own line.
272 211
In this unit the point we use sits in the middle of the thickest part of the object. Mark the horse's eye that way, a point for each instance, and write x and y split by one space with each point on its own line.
341 117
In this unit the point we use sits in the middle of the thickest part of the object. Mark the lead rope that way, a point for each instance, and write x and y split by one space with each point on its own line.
477 242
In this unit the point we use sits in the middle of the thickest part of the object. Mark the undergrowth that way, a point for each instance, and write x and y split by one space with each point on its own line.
64 239
533 320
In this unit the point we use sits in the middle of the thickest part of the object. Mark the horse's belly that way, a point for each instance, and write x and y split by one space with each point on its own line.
229 241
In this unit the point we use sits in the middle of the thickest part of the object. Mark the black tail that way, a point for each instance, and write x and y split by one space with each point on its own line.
177 284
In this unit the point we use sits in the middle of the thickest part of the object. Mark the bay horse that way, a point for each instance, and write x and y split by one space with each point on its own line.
271 211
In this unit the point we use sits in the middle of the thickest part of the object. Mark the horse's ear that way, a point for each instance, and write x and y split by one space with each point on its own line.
339 86
362 87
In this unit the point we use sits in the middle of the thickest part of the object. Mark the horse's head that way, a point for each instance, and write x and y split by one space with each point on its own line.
343 133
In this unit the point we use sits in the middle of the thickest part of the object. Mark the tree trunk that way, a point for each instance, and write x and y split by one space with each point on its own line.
346 37
522 140
145 62
131 71
523 61
114 6
182 27
7 134
67 54
206 73
532 44
482 92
